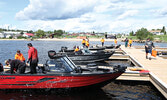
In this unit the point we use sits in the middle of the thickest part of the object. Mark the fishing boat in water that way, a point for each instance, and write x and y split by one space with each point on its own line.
85 55
59 72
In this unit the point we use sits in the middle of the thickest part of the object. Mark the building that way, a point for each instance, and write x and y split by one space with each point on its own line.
11 32
2 35
28 34
156 32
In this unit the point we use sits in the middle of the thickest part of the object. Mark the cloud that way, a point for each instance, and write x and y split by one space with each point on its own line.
93 15
162 12
128 14
55 9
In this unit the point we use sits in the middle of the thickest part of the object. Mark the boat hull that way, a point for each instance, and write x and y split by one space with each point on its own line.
90 57
54 81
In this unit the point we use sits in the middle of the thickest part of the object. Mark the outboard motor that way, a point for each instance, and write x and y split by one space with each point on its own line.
119 68
63 49
51 54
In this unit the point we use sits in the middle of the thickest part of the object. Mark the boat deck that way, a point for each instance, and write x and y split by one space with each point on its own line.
157 67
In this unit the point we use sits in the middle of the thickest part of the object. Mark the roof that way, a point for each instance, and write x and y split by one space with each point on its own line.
152 31
29 34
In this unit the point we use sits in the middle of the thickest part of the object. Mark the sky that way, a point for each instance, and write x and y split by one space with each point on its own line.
112 16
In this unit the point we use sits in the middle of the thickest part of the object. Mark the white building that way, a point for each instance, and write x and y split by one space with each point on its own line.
11 32
156 32
2 35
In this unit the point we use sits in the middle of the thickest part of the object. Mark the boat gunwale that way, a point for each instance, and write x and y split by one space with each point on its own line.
62 74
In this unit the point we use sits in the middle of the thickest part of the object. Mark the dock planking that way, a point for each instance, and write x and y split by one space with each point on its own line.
157 67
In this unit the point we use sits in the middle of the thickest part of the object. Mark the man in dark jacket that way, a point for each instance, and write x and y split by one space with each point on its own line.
16 65
32 58
148 48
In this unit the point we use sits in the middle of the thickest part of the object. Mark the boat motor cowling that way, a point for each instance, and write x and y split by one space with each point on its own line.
120 68
51 54
63 49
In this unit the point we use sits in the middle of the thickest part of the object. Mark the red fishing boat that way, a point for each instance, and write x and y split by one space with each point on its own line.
59 72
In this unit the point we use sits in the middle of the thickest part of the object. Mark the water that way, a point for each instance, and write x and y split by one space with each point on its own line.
116 90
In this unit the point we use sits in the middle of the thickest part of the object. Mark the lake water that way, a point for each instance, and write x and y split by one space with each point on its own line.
116 90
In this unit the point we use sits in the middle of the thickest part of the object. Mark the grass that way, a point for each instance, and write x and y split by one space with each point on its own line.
133 37
162 38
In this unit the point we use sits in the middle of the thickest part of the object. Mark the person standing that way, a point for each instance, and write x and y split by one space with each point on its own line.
115 42
126 42
87 43
19 56
148 48
102 42
130 42
83 42
32 58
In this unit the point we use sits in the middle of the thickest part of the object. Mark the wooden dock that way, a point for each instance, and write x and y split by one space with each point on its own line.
157 67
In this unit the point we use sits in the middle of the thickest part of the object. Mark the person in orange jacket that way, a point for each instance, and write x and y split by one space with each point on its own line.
87 43
115 41
19 56
102 42
130 42
83 42
76 49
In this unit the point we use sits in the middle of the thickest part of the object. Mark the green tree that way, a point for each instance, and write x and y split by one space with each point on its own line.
49 32
58 32
131 33
21 33
143 33
1 29
163 30
40 33
30 31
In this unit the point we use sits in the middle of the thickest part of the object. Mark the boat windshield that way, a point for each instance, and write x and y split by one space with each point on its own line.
61 64
69 62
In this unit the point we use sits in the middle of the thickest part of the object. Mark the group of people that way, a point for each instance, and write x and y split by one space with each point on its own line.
128 43
18 65
85 43
149 47
102 41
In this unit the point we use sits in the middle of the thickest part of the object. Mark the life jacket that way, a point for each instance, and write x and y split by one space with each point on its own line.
102 40
83 41
130 41
76 49
115 41
87 43
20 57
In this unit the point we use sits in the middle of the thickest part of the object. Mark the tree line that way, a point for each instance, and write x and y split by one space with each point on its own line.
39 33
143 33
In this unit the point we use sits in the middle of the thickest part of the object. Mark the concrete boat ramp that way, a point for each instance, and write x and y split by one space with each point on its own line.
157 68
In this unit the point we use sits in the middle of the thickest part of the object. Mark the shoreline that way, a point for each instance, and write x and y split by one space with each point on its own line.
56 39
66 39
72 39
